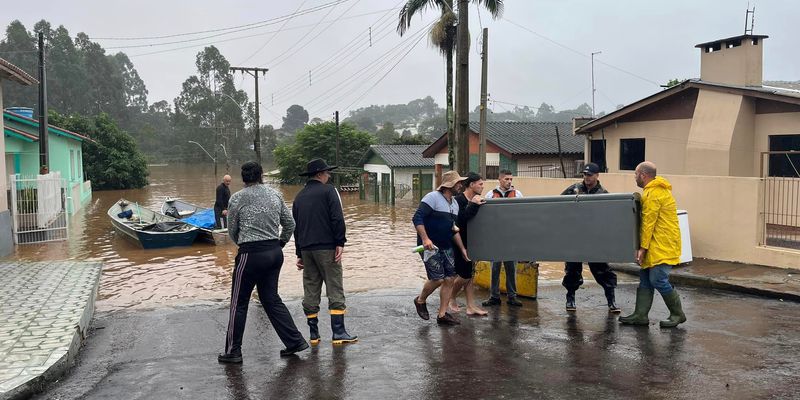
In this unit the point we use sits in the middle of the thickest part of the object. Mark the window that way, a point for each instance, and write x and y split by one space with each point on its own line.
492 172
72 165
598 153
787 165
631 153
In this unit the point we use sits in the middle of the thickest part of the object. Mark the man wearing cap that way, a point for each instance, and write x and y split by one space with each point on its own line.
573 270
319 237
435 222
504 189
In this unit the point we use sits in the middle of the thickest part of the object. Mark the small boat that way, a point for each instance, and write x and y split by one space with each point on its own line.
192 214
150 229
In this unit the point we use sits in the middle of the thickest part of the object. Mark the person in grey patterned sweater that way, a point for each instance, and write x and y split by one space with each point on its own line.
261 224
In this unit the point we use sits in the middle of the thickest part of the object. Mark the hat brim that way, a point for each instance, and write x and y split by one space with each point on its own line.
312 173
445 184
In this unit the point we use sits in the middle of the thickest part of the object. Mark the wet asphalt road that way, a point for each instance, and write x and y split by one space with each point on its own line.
734 346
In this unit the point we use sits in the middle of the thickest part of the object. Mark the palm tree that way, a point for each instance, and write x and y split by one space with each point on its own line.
443 37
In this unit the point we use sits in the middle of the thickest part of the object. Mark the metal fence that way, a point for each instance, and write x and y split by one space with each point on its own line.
38 207
781 193
550 170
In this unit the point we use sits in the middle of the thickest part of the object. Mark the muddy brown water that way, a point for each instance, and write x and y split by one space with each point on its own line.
377 254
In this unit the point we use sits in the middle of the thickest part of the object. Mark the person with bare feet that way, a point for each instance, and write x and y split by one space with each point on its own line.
469 202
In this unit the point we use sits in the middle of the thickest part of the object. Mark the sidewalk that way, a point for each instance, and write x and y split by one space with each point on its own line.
783 284
45 310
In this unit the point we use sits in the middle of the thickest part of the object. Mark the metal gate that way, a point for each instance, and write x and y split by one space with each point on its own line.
780 172
38 207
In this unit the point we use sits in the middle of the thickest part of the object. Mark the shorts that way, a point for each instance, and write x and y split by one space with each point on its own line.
464 268
441 265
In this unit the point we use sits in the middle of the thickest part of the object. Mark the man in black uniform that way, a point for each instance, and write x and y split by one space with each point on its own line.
221 203
602 273
319 237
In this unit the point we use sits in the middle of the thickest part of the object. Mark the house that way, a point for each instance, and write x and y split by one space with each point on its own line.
400 166
524 148
12 73
718 125
728 144
65 154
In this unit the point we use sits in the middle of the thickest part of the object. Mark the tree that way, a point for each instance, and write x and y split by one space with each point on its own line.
443 37
412 139
19 47
319 141
296 117
386 134
111 159
365 122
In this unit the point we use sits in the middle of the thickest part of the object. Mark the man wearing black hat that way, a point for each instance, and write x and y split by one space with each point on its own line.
573 278
319 239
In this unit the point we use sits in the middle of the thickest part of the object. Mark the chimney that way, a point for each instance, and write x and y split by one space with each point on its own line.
733 61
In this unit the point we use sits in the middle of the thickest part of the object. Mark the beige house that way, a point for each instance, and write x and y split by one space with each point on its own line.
717 125
729 144
13 73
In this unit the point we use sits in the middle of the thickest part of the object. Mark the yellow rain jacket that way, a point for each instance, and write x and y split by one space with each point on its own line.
660 233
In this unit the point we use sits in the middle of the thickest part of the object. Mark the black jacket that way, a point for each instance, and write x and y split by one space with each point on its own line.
580 188
223 197
466 211
317 211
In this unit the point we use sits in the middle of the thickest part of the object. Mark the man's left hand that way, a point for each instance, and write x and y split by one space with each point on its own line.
224 212
640 256
337 257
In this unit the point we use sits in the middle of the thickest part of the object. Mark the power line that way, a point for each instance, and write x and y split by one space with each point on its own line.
253 24
378 65
580 53
362 71
246 36
292 50
340 55
271 37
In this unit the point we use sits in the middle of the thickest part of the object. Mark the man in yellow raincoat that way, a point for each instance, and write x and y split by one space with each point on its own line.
659 248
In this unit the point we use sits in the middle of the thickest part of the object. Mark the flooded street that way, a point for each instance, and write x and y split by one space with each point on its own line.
377 254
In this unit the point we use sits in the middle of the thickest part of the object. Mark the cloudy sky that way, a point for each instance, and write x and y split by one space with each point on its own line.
539 49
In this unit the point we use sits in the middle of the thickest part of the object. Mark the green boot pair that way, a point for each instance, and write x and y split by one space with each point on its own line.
644 300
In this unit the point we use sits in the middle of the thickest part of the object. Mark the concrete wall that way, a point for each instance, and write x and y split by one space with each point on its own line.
665 142
724 213
772 124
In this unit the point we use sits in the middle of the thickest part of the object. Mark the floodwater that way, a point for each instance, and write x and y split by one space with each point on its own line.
377 254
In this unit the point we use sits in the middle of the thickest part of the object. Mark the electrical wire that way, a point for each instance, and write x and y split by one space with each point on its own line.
580 53
253 25
271 37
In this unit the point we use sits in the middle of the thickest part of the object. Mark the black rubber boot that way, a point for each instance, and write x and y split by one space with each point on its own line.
612 304
571 301
313 326
340 334
644 300
676 315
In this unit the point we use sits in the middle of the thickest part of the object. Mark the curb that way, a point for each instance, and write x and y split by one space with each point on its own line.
62 365
689 279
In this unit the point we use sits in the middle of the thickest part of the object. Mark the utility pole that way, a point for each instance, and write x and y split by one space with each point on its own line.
560 155
44 158
593 89
484 78
336 114
253 71
462 88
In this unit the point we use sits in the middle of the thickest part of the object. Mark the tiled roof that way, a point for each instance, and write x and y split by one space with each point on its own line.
400 155
11 71
531 137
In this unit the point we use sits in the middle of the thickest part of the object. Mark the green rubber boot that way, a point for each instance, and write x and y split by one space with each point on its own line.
644 300
676 315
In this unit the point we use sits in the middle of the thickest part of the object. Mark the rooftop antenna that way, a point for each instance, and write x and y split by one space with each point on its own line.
751 14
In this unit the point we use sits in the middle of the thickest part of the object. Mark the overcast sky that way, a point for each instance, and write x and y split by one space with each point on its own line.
643 44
